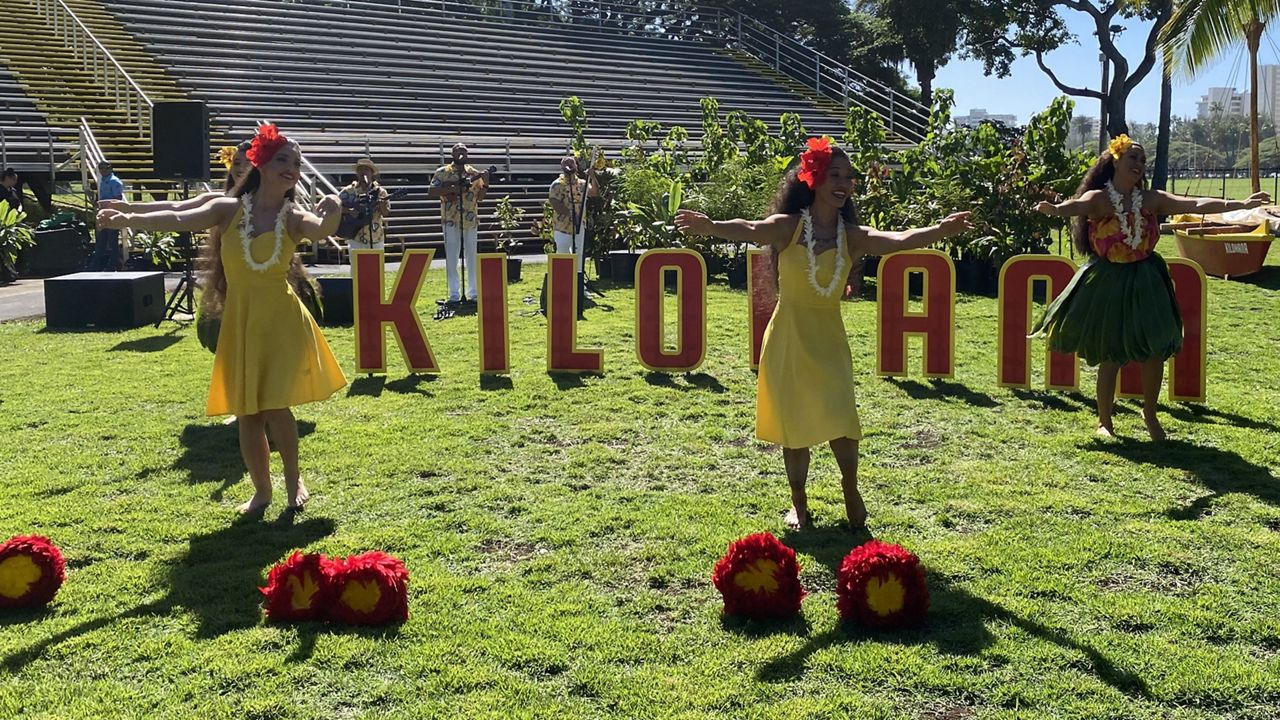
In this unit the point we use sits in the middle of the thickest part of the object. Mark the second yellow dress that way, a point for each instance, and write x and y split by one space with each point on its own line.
271 354
804 392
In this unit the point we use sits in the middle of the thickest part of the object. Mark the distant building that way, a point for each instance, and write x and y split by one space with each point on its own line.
980 115
1225 101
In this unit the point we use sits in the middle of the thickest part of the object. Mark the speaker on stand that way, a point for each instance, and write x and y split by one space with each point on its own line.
180 151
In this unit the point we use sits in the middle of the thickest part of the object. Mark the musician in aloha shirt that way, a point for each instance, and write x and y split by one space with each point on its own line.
446 185
370 236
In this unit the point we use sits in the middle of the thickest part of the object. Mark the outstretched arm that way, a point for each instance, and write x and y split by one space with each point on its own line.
1093 203
323 222
869 241
211 214
146 207
1170 204
774 231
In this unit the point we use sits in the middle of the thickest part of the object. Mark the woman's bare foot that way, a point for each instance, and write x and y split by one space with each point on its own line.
856 511
231 420
1153 426
255 504
299 499
798 519
1106 431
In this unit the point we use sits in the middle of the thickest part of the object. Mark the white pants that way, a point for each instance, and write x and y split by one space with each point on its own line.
451 242
566 243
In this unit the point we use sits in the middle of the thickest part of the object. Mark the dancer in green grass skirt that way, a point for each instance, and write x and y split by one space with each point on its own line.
1120 306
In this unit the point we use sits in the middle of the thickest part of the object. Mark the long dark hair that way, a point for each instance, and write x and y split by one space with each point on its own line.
794 195
1102 172
215 275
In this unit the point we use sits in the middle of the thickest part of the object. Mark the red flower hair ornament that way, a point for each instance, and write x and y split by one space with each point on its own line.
266 143
759 578
881 585
815 162
31 572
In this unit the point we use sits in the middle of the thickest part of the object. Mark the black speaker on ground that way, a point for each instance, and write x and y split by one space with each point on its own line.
180 140
335 292
104 299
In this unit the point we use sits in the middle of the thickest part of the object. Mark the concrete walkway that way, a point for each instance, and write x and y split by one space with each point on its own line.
24 299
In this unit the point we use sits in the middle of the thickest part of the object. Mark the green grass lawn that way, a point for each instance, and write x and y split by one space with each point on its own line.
1236 188
561 532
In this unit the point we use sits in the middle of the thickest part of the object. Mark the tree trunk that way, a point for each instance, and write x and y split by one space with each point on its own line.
925 74
1161 178
1253 37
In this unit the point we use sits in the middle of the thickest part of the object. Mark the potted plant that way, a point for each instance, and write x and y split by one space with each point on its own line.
647 225
510 216
154 251
14 236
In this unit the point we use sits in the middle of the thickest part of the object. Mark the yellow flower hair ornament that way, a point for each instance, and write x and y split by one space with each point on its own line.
227 155
1119 146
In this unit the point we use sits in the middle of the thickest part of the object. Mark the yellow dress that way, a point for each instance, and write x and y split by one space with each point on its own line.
271 354
804 392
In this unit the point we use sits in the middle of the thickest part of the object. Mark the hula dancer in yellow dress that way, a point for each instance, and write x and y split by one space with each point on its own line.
804 392
271 354
1120 306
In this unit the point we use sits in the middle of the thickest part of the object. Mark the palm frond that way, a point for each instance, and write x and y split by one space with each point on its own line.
1201 30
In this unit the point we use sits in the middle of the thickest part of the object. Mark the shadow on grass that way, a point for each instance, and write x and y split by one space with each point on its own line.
367 386
155 343
211 453
693 381
568 380
939 389
496 382
1268 278
956 624
216 581
797 626
1062 402
310 631
1207 415
412 385
1220 471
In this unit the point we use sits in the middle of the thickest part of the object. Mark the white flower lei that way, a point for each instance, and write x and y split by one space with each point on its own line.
838 275
1132 225
247 236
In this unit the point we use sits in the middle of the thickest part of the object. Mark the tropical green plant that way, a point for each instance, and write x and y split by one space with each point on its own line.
14 236
157 249
652 223
509 216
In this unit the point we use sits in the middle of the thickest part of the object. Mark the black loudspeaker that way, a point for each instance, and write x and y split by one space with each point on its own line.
180 140
56 252
104 299
336 294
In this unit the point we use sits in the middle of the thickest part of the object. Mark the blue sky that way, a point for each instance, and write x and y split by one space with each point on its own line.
1028 90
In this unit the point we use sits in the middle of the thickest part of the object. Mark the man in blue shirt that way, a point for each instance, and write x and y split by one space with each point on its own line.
106 252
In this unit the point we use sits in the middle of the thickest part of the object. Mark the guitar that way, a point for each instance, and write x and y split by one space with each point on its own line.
364 205
478 180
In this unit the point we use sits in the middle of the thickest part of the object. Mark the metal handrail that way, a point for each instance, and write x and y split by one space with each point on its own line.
136 103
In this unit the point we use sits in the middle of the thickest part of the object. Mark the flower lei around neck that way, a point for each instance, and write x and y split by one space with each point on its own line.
838 275
247 236
1130 222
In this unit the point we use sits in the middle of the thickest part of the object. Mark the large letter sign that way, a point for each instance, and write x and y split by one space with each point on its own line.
691 315
897 322
373 315
1187 368
762 298
1062 372
563 353
495 338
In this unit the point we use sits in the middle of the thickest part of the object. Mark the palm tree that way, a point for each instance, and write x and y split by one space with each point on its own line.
1200 30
